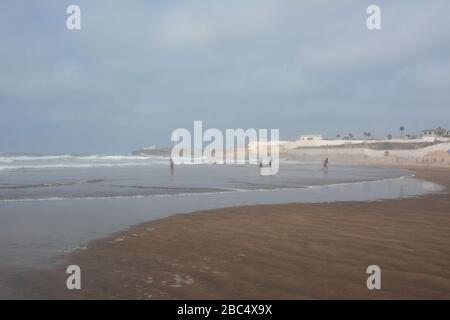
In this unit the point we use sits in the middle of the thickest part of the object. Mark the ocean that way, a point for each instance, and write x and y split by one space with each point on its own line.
52 204
61 177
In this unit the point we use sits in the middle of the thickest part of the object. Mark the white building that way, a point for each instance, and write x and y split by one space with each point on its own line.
316 140
311 137
439 132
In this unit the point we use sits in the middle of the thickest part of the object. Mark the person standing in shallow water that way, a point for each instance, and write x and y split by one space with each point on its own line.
325 165
172 165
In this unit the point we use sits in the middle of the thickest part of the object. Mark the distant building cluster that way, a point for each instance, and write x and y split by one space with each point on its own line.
311 137
438 135
439 132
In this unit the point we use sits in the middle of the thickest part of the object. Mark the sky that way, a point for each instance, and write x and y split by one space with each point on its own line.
138 69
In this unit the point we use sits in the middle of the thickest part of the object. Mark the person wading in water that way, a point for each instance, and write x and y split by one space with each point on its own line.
325 165
172 165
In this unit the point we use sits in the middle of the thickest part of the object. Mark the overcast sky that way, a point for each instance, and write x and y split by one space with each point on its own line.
139 69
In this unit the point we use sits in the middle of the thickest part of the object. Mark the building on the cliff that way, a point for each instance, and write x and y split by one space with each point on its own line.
439 132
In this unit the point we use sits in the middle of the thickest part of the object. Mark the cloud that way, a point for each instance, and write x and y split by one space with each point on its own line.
138 70
198 23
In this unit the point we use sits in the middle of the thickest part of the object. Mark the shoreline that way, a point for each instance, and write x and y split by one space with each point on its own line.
228 190
287 251
337 184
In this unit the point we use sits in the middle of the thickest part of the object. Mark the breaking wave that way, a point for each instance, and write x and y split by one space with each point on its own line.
17 162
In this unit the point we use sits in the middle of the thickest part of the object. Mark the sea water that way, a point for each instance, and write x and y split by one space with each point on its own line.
50 204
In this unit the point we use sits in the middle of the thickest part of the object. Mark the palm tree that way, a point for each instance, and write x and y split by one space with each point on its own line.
389 136
402 128
338 136
350 135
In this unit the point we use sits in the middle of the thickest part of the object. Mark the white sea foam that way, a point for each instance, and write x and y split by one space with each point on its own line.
77 165
18 162
13 158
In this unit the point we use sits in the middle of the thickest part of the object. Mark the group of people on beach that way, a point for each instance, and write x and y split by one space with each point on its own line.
269 164
260 164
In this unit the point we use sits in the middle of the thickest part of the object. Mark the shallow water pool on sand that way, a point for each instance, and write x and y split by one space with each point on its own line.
33 231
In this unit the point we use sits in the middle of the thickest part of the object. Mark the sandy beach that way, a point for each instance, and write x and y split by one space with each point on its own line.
290 251
176 150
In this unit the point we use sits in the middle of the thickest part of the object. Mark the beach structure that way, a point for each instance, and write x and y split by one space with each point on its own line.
438 132
311 137
317 141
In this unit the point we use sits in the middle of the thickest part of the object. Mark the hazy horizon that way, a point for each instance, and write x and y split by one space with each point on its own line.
136 71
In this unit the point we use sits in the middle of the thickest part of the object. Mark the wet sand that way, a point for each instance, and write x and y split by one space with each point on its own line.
290 251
